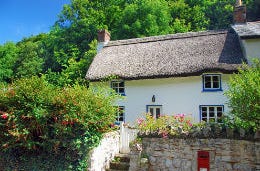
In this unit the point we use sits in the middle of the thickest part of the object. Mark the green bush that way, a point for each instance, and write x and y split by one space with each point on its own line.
36 115
244 97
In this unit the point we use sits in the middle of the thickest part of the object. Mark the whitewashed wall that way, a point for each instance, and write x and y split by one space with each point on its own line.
105 152
251 48
176 95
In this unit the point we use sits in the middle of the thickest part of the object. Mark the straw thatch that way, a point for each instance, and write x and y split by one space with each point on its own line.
248 30
172 55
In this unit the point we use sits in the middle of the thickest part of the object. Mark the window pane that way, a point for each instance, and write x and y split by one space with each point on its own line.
219 114
211 112
216 85
121 118
158 112
219 109
216 78
151 111
204 119
207 81
121 90
207 78
204 114
114 84
204 109
211 109
121 84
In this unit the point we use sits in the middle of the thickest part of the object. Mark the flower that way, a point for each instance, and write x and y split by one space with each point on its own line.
140 121
4 116
164 134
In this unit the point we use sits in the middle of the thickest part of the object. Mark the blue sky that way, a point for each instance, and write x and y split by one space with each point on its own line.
23 18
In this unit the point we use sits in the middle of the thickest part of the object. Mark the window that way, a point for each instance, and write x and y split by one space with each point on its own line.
212 82
118 86
212 113
154 110
120 115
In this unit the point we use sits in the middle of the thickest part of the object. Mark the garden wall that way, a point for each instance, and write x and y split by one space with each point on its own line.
181 154
105 152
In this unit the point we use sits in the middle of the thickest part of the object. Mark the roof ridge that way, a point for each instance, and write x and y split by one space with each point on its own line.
165 37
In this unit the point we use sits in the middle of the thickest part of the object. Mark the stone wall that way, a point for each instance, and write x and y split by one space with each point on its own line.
105 152
181 154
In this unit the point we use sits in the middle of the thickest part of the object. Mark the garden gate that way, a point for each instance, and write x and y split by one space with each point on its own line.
127 135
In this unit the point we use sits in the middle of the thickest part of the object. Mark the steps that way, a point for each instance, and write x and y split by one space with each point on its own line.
121 162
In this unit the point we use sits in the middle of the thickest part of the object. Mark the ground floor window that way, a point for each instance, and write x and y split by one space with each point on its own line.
211 113
120 115
154 110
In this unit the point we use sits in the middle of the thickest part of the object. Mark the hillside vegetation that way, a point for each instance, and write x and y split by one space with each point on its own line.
64 54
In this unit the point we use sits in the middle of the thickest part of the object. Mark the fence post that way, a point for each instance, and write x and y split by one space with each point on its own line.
124 139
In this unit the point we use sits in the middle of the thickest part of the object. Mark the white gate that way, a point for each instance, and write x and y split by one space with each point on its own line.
127 135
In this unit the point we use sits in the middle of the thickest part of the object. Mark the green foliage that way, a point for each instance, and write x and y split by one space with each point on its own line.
29 62
165 125
36 115
144 18
65 53
8 57
244 96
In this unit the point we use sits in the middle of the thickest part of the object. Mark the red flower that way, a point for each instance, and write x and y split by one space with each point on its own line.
4 116
65 122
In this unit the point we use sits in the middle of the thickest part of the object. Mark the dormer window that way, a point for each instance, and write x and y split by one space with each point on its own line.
211 82
118 86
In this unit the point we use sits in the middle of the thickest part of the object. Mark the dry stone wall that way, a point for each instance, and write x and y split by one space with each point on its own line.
181 154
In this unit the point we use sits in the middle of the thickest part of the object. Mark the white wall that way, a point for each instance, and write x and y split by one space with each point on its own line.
251 48
105 152
176 95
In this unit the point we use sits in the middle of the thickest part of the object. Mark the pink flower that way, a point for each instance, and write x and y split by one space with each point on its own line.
164 134
4 116
140 121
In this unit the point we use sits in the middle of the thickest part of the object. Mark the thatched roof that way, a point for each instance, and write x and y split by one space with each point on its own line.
248 30
171 55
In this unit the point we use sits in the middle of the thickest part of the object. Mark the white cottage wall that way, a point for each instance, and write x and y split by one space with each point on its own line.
252 48
176 95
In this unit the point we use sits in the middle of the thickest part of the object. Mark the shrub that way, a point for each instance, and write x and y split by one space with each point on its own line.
35 115
165 125
244 96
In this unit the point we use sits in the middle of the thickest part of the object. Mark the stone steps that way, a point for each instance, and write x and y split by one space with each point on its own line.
121 162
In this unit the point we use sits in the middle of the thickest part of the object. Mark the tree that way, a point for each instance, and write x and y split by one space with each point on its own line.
29 61
8 57
144 18
244 96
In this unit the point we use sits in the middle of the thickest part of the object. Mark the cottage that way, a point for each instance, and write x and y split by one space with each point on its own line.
177 73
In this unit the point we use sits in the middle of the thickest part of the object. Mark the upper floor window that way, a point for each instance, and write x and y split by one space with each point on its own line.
118 86
212 82
212 113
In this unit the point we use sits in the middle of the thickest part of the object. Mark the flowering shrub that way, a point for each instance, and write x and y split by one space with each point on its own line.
35 115
165 125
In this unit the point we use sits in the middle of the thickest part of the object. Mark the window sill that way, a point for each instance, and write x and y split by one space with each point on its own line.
211 90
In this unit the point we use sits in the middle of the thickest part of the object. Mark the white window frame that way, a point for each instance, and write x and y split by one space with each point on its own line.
211 88
120 114
215 118
115 85
148 107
